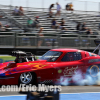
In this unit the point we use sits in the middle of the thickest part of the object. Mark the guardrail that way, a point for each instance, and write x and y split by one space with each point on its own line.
53 40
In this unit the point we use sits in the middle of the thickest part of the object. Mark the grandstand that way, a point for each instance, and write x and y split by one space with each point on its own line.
19 36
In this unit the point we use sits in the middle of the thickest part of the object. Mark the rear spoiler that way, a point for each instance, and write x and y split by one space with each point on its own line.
97 42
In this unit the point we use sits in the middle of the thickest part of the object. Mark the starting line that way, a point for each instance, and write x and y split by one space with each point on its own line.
63 96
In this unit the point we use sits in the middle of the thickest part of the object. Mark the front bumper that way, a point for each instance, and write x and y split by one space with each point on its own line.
9 79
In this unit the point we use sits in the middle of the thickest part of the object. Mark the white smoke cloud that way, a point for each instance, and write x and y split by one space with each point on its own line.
64 81
98 79
80 79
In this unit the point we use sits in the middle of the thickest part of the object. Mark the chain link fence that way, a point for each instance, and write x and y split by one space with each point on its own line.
59 41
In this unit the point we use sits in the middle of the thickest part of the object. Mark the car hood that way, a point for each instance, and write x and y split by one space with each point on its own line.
13 67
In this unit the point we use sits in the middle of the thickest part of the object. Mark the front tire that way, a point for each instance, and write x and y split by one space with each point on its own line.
26 78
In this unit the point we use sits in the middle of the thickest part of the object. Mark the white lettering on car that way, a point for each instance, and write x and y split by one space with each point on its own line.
69 71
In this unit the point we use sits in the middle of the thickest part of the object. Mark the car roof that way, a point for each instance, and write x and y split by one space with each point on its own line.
66 50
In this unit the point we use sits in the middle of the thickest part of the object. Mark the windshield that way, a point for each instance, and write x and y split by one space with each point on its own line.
51 56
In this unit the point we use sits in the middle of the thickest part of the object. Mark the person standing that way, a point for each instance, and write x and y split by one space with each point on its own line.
58 9
50 10
40 34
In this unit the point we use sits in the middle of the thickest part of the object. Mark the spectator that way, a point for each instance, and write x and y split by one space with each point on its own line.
1 27
99 26
62 24
36 23
54 23
50 10
21 11
88 32
30 22
67 7
71 6
16 11
58 9
0 24
78 27
84 28
40 34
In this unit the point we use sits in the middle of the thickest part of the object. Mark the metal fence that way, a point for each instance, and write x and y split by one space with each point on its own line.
59 41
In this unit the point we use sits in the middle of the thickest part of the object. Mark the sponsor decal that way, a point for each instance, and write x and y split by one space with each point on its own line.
94 60
34 65
69 71
59 71
94 70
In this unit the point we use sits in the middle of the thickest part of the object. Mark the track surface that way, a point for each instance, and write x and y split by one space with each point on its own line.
65 89
75 96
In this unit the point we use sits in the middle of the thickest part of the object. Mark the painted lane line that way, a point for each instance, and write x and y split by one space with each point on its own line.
11 95
60 93
80 93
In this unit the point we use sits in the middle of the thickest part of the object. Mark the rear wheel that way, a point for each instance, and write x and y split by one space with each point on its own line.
94 70
92 75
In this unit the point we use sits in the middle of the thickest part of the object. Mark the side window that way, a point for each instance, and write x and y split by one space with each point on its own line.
72 56
92 54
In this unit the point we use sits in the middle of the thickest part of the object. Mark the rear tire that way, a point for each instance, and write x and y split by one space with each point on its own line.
92 74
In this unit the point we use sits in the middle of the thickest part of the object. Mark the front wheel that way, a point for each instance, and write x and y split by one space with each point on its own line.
26 78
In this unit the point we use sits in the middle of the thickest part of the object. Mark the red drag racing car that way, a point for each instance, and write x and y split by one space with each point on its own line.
55 66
